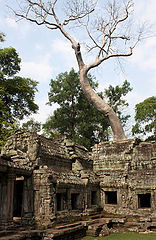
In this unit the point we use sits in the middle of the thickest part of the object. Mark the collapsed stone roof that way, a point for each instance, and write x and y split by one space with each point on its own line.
31 150
7 164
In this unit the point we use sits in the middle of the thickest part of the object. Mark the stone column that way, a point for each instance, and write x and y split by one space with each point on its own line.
43 208
3 199
10 196
6 202
28 198
86 200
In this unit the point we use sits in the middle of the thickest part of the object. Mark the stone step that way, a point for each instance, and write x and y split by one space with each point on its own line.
22 235
94 230
6 232
58 233
131 224
68 225
90 222
113 220
12 237
152 224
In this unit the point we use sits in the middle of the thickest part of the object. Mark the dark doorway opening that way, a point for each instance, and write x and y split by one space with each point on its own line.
144 200
93 198
59 201
111 197
74 201
18 197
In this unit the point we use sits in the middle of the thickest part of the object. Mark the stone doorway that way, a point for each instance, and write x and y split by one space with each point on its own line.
75 201
93 197
18 197
59 201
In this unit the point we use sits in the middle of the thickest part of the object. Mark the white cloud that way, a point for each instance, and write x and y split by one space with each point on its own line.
65 52
22 29
133 98
145 55
145 10
1 21
39 47
40 72
44 111
11 22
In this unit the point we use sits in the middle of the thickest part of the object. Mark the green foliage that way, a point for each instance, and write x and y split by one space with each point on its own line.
16 93
76 117
2 35
145 117
115 99
125 236
10 62
32 125
17 97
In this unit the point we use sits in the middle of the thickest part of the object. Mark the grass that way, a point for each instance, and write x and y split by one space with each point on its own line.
125 236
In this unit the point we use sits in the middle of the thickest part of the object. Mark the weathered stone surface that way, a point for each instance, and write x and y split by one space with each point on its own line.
59 181
127 173
52 187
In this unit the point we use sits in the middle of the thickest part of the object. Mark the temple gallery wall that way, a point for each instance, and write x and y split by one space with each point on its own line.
44 182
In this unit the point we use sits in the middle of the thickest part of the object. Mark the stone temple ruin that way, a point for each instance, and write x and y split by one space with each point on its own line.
56 189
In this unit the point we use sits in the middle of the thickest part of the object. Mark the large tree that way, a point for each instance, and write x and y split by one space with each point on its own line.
32 125
76 117
16 93
145 118
109 35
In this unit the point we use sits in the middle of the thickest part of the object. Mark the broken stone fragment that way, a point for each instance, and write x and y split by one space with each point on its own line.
69 143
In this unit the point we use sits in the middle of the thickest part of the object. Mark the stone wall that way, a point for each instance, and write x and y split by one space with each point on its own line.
8 176
31 149
61 181
61 194
127 177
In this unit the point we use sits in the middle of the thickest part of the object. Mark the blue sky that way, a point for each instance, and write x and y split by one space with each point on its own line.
46 53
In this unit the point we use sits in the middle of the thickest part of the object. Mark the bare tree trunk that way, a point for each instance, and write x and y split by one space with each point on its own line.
94 99
109 29
101 106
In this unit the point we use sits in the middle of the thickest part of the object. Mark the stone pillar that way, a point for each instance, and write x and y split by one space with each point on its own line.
6 199
86 200
43 192
68 202
10 196
28 198
3 199
37 197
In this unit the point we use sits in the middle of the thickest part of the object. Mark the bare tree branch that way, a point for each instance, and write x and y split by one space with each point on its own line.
78 9
99 61
108 38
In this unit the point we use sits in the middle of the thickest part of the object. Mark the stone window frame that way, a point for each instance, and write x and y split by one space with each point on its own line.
115 203
148 206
